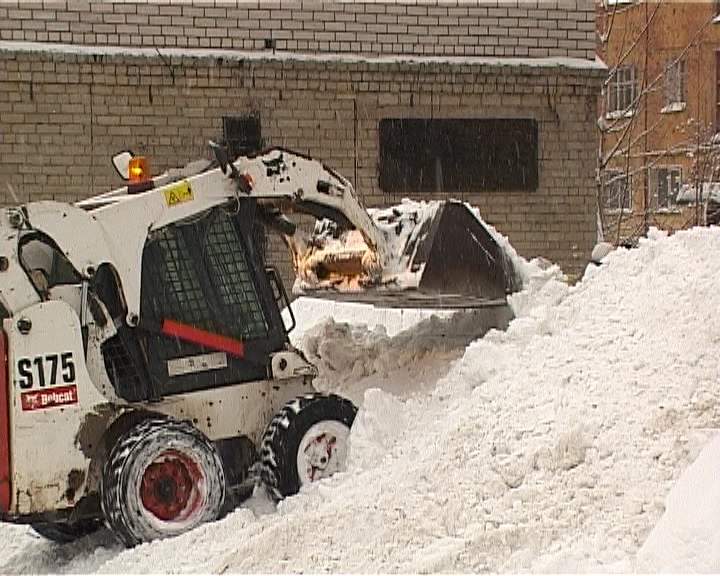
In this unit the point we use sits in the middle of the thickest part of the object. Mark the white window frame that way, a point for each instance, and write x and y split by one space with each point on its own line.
675 85
621 92
670 204
613 183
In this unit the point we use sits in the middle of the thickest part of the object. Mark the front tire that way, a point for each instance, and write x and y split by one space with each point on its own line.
162 478
306 441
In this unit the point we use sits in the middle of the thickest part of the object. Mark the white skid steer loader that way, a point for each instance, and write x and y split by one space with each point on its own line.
148 379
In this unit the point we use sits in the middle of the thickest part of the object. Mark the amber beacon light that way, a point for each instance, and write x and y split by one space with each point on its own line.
139 170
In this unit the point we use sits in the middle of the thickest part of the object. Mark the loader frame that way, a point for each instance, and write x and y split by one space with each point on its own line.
148 321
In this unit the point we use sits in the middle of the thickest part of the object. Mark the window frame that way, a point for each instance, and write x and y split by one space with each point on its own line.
617 101
610 176
654 178
675 81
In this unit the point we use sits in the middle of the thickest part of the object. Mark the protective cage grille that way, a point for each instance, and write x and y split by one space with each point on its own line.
197 273
121 369
225 257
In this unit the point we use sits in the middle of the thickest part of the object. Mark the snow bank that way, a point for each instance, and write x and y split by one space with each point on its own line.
551 446
687 538
547 447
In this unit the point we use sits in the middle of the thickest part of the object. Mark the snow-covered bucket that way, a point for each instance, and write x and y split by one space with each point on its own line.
437 255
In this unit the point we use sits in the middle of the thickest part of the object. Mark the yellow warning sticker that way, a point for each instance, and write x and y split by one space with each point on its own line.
178 193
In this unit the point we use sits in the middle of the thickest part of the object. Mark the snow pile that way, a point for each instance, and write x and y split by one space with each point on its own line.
309 312
687 538
548 447
376 429
353 358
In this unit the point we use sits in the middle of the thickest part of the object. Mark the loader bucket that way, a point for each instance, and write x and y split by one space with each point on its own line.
439 255
461 258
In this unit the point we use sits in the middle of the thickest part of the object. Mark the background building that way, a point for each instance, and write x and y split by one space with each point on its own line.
494 103
659 114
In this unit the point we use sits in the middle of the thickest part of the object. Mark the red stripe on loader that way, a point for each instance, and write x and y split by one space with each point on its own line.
204 338
4 426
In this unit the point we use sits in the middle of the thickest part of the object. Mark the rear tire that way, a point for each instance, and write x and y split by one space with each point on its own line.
64 533
306 441
162 478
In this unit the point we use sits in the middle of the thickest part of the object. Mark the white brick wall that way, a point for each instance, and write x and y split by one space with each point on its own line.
518 28
62 116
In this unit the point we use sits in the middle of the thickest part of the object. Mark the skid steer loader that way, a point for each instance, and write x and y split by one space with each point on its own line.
147 368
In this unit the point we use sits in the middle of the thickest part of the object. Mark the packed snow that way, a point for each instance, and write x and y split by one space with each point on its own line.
553 445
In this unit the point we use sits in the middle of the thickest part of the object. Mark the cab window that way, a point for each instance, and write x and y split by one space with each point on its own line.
46 265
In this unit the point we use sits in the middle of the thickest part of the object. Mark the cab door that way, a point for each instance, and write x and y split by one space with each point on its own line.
208 316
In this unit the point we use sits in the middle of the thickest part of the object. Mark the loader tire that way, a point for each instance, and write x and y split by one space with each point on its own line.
163 477
306 441
64 533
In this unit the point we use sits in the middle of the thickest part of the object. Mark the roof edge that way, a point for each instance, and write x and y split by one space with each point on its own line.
277 56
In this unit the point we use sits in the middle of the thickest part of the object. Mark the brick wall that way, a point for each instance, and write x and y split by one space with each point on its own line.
63 115
520 28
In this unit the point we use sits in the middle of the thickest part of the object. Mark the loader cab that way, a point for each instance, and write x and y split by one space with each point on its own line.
209 316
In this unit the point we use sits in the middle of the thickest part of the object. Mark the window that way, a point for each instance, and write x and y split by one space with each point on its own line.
458 155
243 135
665 184
675 85
617 191
621 90
45 264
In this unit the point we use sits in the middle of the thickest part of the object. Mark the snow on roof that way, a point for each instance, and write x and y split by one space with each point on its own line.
555 62
549 447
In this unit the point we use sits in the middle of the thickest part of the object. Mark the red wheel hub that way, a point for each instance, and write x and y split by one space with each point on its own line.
170 487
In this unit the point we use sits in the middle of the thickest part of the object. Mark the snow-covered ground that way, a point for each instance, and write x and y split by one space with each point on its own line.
688 535
551 446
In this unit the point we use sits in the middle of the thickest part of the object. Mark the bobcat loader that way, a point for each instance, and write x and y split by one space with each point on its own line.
147 373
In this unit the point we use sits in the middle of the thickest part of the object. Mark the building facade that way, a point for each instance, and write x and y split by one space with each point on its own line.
659 114
492 103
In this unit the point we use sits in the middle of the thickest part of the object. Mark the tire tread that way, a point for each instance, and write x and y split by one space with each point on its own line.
273 463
